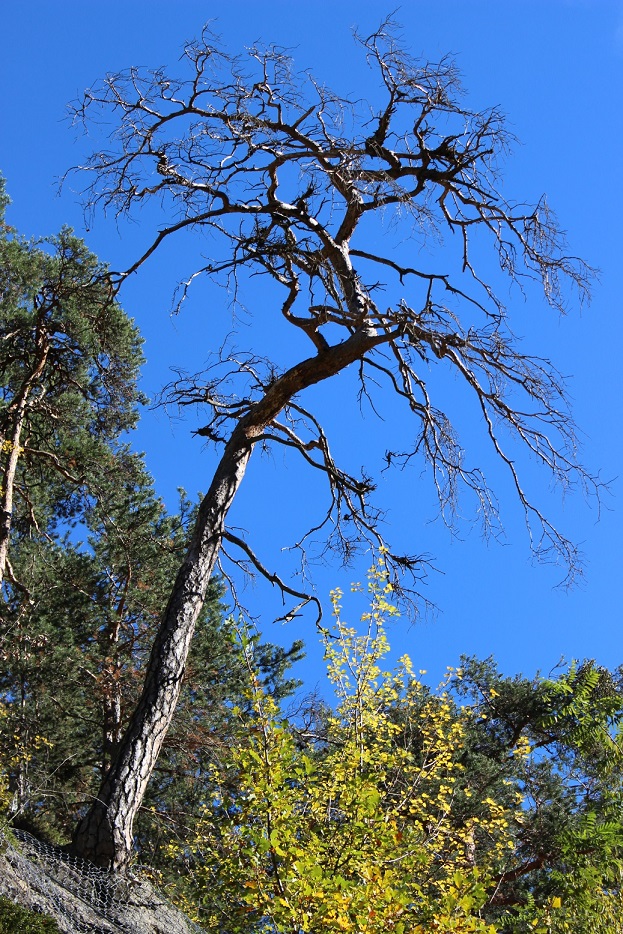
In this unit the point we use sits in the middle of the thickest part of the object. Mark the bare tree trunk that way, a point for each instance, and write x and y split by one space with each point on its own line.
110 679
111 711
19 784
104 836
11 446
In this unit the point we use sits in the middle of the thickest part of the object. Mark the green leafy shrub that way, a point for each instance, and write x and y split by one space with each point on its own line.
17 920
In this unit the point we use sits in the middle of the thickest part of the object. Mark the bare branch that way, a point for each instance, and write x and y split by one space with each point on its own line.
229 167
273 578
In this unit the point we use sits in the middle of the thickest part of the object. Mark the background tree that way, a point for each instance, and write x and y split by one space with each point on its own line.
69 360
568 836
295 183
72 655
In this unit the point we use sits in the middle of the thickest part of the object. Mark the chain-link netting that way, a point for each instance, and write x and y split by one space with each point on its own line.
84 899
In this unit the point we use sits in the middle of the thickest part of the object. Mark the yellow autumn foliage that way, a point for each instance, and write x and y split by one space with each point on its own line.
354 832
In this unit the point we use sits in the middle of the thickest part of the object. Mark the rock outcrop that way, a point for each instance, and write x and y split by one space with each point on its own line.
81 898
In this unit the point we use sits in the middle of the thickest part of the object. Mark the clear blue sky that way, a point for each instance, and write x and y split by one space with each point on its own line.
556 69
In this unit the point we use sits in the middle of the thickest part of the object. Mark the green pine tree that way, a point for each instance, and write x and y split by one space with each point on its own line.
69 360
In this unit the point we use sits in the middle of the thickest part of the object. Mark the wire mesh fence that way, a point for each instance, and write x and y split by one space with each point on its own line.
84 899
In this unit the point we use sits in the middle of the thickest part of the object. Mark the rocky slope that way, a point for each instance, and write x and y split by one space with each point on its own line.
81 898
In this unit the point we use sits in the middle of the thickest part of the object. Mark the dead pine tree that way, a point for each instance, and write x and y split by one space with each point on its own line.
290 180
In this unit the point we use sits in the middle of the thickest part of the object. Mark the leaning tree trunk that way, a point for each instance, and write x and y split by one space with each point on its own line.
104 836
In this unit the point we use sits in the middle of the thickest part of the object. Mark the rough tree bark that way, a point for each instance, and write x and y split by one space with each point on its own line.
290 187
